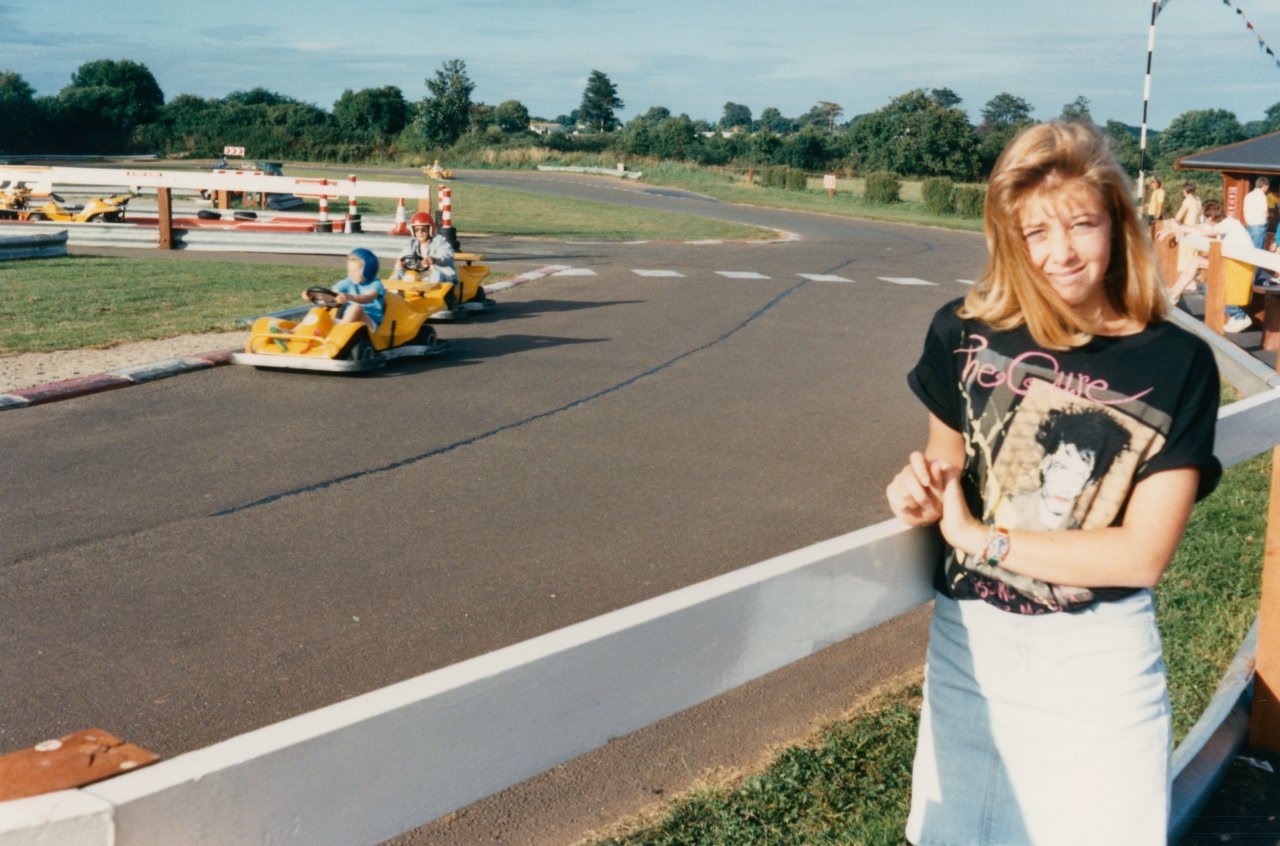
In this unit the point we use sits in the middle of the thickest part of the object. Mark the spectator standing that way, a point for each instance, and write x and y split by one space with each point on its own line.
1255 211
1155 201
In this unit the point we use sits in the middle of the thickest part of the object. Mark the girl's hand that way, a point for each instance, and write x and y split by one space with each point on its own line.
959 527
915 494
340 299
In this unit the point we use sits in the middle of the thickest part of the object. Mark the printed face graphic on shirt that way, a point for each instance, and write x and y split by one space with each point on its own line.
1063 477
1080 444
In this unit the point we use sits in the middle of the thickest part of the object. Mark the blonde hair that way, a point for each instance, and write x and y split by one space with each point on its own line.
1012 292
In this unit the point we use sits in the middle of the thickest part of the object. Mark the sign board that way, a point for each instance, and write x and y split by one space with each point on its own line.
829 181
233 151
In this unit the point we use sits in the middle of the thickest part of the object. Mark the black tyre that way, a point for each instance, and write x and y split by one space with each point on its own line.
360 349
246 215
208 214
426 337
38 216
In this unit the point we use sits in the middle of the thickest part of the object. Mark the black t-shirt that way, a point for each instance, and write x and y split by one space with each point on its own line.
1057 439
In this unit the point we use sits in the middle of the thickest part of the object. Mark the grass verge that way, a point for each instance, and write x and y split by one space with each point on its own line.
850 784
487 210
84 301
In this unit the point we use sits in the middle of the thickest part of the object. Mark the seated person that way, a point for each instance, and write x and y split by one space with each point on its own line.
1230 232
361 291
429 250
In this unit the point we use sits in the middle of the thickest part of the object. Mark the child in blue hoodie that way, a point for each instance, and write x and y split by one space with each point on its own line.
361 290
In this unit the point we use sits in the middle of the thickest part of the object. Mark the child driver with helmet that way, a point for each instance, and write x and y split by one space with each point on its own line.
361 291
428 251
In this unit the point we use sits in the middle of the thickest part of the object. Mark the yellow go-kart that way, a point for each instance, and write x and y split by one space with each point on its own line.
17 205
465 298
435 171
96 210
319 342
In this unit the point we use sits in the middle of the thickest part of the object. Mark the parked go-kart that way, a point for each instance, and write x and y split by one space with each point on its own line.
319 342
460 300
16 204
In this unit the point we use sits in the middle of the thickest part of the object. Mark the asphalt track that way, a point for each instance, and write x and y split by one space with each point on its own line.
189 559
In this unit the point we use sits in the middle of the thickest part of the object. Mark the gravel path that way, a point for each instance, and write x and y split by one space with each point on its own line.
28 369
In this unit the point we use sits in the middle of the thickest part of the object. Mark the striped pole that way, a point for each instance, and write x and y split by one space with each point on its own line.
1156 8
446 218
353 211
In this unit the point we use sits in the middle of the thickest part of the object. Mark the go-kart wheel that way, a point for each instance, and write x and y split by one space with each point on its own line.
38 216
245 215
208 214
426 337
323 297
360 349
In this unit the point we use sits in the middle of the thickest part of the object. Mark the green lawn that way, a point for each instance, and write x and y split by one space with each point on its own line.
84 301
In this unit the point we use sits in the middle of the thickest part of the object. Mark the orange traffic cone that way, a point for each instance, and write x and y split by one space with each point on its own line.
401 226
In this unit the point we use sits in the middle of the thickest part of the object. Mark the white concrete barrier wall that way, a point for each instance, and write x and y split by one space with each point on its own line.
374 766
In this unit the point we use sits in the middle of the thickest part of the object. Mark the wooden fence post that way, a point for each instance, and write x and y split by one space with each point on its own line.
1215 297
1264 718
165 215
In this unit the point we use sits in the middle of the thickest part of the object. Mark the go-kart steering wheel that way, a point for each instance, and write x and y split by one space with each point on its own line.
323 297
414 264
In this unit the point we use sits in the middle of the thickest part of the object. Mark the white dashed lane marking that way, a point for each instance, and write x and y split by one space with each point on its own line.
905 280
660 273
823 277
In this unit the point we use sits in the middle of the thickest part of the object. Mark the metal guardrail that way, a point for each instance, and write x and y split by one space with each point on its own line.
226 240
43 245
600 171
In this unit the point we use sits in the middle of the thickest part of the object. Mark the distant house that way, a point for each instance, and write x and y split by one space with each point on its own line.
546 128
1238 163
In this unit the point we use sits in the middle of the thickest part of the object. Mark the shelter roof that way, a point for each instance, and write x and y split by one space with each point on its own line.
1256 155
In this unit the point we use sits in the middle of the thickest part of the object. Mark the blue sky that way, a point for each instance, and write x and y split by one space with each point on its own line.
687 56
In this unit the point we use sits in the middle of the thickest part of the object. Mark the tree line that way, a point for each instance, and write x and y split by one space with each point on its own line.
116 106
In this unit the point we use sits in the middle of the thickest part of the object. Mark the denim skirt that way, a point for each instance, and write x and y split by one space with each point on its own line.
1049 729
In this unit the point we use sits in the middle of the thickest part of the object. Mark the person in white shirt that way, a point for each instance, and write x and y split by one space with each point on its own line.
1255 211
1232 233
